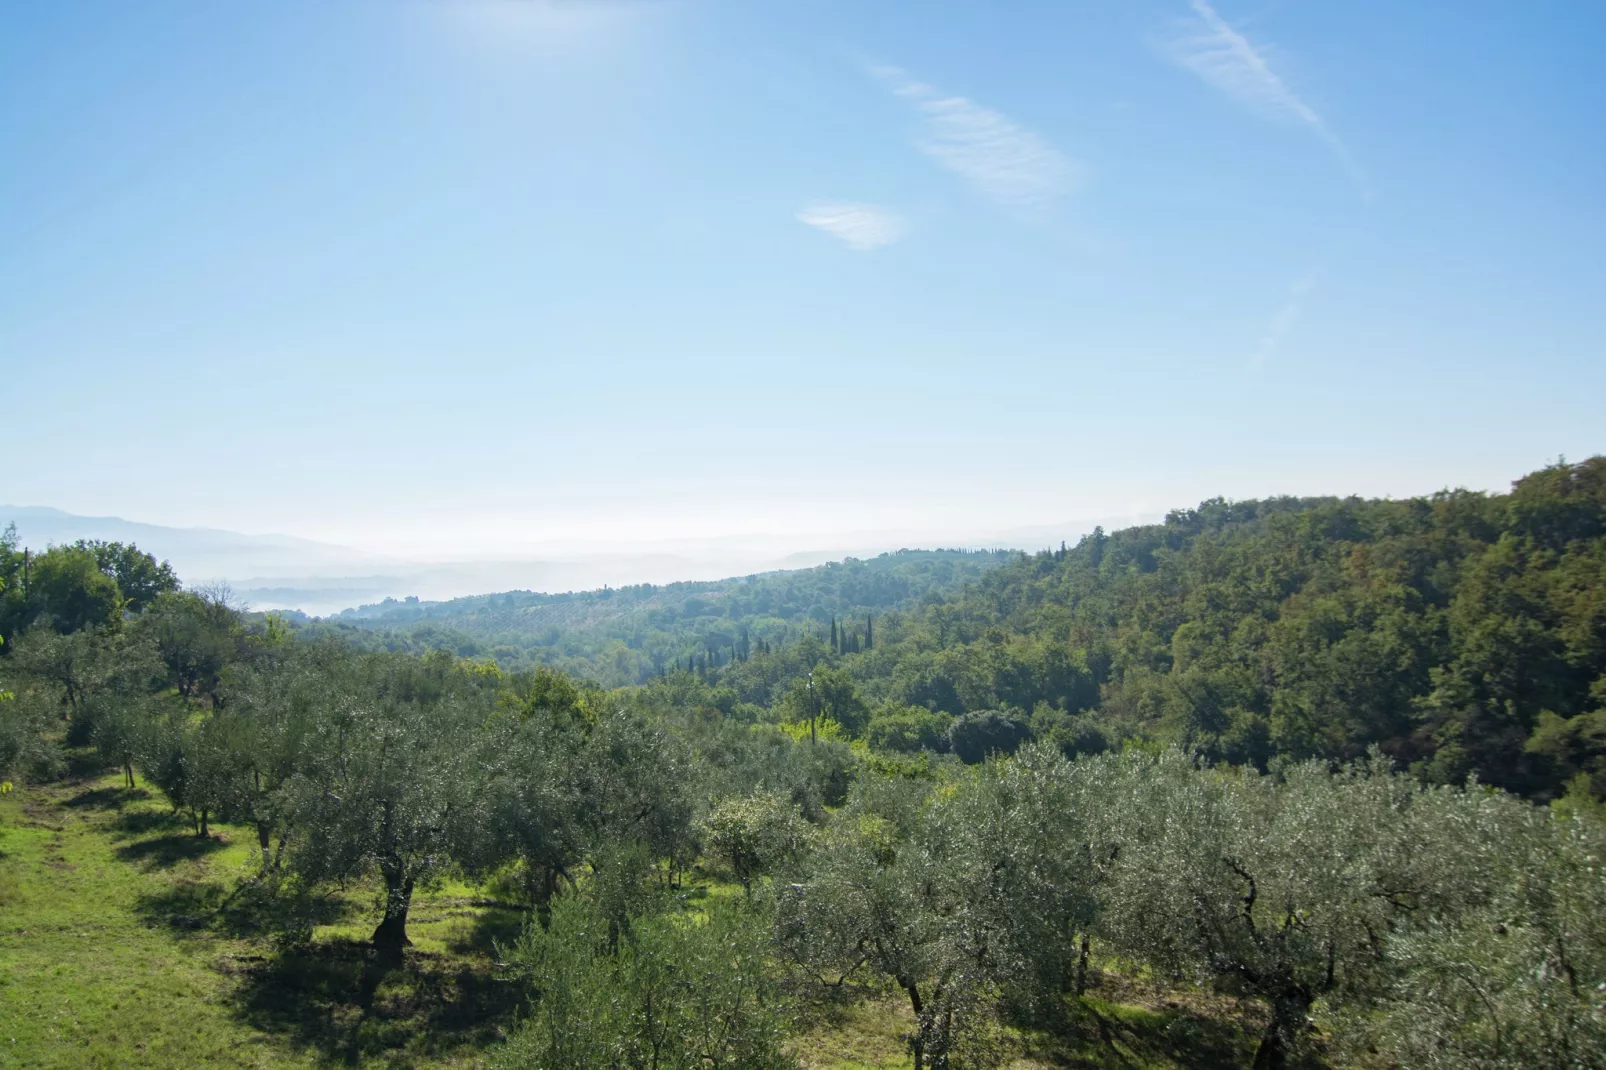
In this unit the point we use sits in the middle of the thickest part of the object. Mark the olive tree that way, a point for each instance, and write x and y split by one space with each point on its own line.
390 781
677 992
25 747
1025 852
73 667
185 755
1508 968
92 676
1282 886
119 733
754 835
874 905
533 802
196 635
263 731
635 779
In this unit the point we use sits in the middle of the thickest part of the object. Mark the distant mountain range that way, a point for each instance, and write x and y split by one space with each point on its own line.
271 571
196 552
285 572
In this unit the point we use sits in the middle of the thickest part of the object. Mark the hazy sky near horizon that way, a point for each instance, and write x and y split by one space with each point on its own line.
458 274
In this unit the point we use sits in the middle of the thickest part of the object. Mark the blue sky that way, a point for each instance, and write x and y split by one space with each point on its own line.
476 276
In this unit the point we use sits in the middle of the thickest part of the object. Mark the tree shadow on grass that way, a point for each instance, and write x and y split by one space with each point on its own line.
107 798
1094 1033
144 822
341 1000
256 908
165 852
1098 1034
1180 1036
84 763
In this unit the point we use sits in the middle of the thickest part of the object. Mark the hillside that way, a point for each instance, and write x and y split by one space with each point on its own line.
627 635
1460 632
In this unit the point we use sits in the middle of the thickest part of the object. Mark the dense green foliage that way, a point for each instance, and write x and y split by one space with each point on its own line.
681 992
1226 754
88 584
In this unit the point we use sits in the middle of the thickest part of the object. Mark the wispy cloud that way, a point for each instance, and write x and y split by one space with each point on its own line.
1003 160
861 227
1283 322
1227 61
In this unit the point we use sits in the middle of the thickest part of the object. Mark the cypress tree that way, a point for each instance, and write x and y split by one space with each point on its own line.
868 632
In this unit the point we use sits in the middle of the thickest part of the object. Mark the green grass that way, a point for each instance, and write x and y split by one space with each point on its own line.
126 940
85 979
122 945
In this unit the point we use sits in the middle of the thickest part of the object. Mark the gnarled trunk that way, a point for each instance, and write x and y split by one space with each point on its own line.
391 936
1288 1018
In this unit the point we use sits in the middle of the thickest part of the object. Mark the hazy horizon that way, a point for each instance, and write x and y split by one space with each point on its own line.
286 570
272 571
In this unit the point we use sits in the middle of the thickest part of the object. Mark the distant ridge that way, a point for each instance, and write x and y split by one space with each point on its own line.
285 572
203 555
41 525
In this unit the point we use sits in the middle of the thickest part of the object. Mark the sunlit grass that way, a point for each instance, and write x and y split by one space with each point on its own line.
86 980
126 940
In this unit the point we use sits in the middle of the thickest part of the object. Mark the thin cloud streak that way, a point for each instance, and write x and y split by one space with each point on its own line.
1002 160
861 227
1227 61
1283 322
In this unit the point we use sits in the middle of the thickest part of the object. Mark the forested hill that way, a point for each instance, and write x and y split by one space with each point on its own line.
627 635
1461 632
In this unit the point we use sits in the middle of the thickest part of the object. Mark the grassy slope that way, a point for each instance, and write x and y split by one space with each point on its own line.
114 952
125 940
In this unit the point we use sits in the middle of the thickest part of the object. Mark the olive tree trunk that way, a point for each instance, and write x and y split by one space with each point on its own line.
1288 1017
391 935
